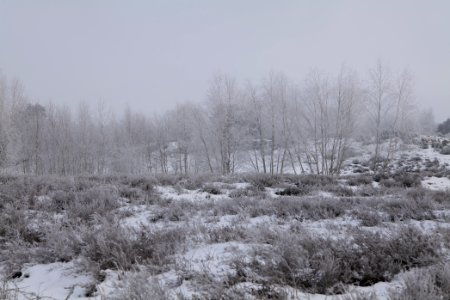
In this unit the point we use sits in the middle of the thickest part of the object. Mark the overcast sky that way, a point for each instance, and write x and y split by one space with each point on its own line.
154 54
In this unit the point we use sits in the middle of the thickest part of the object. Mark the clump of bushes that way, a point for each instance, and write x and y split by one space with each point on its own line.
211 189
359 180
324 265
294 190
250 191
401 209
399 179
445 150
96 201
432 284
368 218
261 181
110 246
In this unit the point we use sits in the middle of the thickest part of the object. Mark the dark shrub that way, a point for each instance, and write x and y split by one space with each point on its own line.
250 191
211 189
368 218
294 191
359 180
261 181
405 179
445 150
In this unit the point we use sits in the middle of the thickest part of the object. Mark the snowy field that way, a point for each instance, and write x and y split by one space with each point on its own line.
245 236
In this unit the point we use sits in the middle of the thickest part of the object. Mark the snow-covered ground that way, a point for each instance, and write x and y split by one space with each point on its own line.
51 281
436 183
225 233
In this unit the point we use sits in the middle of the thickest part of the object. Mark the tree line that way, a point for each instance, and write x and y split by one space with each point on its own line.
273 126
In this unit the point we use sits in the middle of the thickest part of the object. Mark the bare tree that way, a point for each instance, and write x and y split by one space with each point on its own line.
223 95
379 92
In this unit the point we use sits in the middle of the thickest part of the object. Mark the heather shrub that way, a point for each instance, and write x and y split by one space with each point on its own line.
139 286
96 201
250 191
445 150
169 179
368 218
261 181
431 283
211 189
339 190
400 209
358 180
308 208
110 246
323 265
294 191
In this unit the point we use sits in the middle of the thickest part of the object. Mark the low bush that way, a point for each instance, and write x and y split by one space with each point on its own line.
440 197
139 286
96 201
405 208
211 189
324 265
261 181
339 190
294 191
445 150
358 180
432 284
250 191
368 218
110 246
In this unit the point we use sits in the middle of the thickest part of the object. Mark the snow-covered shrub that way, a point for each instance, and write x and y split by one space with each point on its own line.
432 284
169 179
139 286
406 179
211 189
441 197
175 211
368 218
314 208
110 246
323 265
250 191
309 208
225 234
131 193
339 190
293 190
315 180
359 295
196 181
16 226
7 292
359 180
261 181
368 191
62 242
95 201
401 209
398 179
445 150
253 207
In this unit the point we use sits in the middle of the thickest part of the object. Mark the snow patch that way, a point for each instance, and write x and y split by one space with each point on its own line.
436 183
55 281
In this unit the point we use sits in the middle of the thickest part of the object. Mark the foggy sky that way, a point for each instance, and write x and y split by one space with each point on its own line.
154 54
